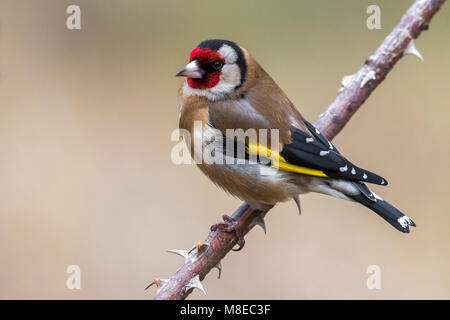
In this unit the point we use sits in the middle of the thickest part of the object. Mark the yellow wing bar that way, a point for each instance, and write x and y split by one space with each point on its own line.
279 162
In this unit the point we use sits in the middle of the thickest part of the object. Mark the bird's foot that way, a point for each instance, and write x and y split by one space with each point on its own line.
230 225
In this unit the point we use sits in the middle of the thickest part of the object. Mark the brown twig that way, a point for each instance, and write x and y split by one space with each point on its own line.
354 91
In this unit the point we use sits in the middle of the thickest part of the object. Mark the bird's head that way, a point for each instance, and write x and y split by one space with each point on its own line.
215 69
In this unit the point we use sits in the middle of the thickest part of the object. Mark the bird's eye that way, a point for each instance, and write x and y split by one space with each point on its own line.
217 65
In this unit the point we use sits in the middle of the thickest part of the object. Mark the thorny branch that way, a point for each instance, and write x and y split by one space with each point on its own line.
354 91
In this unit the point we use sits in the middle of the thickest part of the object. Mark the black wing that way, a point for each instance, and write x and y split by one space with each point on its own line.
317 152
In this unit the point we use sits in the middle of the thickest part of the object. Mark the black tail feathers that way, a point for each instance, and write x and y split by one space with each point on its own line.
385 210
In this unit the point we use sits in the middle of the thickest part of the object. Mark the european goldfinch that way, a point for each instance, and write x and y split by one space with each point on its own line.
227 89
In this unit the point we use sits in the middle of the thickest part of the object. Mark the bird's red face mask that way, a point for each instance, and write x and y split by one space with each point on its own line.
204 69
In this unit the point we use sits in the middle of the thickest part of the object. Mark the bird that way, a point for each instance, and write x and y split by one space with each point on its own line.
227 91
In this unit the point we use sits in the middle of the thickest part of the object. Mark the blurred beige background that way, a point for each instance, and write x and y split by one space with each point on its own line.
86 176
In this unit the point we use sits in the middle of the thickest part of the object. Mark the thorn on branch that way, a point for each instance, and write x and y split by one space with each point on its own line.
160 283
193 254
345 81
371 75
219 267
182 253
412 50
259 221
195 283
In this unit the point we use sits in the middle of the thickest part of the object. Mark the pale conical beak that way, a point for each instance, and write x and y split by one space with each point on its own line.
191 70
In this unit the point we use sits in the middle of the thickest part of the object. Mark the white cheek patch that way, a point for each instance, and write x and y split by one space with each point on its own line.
228 54
230 78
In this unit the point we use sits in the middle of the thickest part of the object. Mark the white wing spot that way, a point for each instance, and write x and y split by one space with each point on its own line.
353 170
343 169
364 176
317 131
324 153
404 221
331 146
382 181
309 140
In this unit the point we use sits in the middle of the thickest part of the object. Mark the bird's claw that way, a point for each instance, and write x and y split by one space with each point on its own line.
230 225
